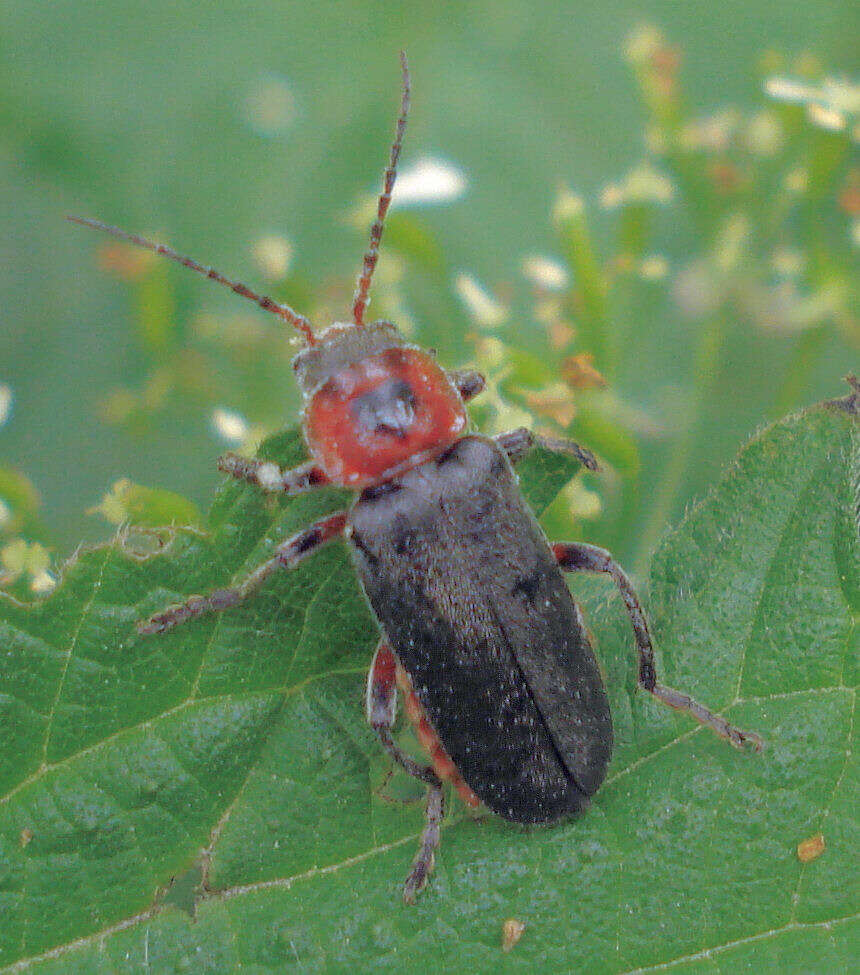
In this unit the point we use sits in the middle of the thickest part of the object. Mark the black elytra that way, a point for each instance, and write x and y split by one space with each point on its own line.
471 598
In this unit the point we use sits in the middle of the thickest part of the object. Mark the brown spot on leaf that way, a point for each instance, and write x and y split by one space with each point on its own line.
811 848
512 931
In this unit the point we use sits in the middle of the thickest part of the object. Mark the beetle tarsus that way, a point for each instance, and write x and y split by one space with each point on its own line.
422 865
517 443
267 475
576 557
193 607
683 702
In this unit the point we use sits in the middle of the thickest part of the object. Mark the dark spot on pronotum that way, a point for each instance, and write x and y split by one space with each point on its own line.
389 408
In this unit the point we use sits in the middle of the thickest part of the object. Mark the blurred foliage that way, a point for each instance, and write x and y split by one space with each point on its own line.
24 560
773 198
688 300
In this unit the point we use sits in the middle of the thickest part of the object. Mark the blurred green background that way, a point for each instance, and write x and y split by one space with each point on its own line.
712 292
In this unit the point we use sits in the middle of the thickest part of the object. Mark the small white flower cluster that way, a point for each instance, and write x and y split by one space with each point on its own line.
643 184
834 104
229 425
484 309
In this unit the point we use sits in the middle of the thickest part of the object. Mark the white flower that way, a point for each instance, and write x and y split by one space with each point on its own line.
643 184
42 582
484 309
273 255
789 90
829 105
546 272
642 44
568 206
654 267
229 425
270 105
429 180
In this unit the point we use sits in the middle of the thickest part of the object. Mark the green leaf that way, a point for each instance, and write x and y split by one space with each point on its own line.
233 752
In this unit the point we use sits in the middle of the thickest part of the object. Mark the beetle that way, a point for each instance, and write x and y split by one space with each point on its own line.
479 630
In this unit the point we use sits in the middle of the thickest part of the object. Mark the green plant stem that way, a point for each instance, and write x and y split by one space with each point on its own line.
587 302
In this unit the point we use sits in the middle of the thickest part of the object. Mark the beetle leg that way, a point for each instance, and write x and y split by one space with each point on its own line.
578 556
270 477
381 711
287 555
517 443
469 382
422 865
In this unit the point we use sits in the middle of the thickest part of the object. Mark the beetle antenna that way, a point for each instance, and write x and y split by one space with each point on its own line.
268 304
359 302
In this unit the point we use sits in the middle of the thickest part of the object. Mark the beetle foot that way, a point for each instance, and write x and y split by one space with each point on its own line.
683 702
417 879
422 865
740 739
172 616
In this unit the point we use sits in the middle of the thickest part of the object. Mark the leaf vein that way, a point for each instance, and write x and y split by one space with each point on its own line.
705 954
72 644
